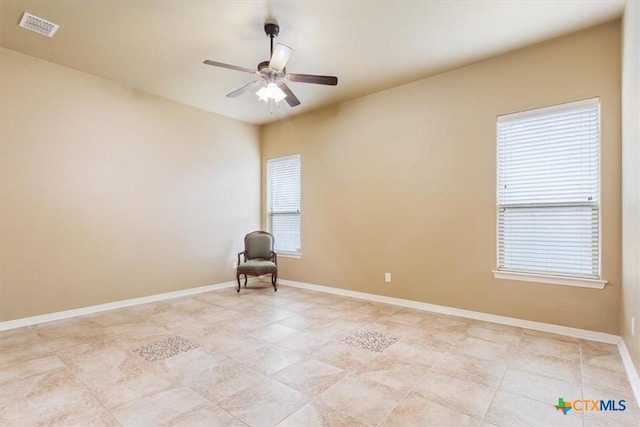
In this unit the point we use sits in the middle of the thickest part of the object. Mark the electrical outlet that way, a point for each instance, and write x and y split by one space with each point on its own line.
633 326
234 265
387 277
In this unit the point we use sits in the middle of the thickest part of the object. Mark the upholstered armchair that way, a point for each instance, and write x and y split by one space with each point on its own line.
258 258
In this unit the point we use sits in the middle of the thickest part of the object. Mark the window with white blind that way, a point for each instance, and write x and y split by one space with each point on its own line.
548 195
283 203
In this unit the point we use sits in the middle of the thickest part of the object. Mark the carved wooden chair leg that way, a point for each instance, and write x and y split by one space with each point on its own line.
245 280
274 279
238 279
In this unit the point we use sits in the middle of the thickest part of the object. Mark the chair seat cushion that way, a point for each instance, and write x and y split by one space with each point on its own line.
258 267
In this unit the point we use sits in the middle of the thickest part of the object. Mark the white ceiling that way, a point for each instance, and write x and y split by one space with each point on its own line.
158 46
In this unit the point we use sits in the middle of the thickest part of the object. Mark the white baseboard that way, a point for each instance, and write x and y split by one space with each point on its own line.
511 321
476 315
632 373
27 321
634 379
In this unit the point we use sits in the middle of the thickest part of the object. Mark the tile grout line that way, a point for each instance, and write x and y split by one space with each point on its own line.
304 358
415 385
209 400
270 376
174 381
215 404
75 377
495 392
264 303
349 374
581 379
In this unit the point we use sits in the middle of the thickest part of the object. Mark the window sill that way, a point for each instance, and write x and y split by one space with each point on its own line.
289 255
550 279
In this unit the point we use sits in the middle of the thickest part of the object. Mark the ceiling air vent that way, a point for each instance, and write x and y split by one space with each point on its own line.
39 25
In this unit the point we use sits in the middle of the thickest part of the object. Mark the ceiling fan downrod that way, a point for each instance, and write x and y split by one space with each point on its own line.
272 31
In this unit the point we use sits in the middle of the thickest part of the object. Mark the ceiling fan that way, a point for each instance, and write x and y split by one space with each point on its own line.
272 74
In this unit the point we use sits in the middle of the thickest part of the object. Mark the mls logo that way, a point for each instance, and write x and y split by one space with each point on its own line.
590 405
563 406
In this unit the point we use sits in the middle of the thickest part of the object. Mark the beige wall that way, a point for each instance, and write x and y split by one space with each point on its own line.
403 181
109 194
631 181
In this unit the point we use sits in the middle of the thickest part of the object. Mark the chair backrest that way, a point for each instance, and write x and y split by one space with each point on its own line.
258 244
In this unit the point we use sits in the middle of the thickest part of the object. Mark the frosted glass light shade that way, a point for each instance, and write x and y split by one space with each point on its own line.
271 91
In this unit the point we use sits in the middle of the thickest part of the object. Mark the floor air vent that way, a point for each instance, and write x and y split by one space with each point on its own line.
39 25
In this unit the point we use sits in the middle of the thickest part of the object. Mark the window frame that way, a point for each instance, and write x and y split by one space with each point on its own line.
286 254
547 277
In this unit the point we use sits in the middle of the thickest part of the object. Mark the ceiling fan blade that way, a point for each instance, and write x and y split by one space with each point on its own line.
311 78
231 67
244 89
291 98
280 57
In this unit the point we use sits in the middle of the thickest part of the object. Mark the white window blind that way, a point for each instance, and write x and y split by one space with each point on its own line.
283 203
549 190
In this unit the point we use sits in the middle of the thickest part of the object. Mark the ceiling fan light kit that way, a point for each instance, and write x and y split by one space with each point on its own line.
270 87
271 91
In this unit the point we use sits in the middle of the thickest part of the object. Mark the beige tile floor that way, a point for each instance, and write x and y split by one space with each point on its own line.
291 358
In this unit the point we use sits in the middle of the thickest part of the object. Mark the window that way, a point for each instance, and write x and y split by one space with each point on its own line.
283 203
548 193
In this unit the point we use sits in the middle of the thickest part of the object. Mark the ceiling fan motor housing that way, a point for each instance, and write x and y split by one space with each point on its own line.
272 30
